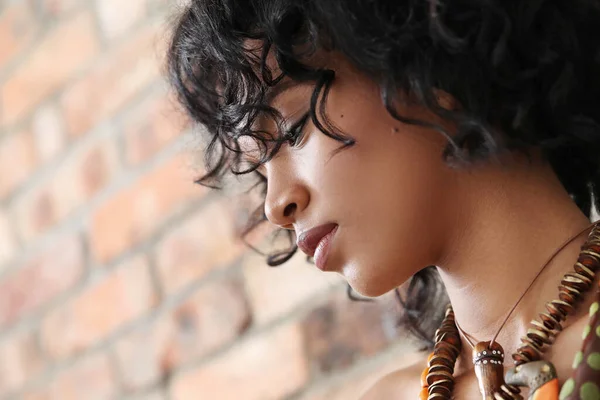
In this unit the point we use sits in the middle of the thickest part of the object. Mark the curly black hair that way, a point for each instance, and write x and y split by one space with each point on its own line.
525 73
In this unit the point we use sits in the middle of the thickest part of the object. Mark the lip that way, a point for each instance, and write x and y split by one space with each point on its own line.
316 242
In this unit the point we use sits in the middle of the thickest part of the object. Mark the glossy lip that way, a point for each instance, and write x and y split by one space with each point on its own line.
312 242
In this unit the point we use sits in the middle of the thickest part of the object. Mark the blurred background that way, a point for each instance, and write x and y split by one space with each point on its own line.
120 278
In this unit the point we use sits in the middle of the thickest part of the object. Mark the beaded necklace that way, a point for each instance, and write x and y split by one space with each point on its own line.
437 379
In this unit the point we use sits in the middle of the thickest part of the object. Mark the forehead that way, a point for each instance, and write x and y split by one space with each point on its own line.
274 93
287 98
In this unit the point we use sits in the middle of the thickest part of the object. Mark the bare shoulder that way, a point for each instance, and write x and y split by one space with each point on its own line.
401 384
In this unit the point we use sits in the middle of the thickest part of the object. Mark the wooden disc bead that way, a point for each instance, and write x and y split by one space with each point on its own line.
578 281
563 306
437 379
551 322
569 294
571 290
444 390
529 352
542 336
589 256
508 392
593 248
555 312
587 267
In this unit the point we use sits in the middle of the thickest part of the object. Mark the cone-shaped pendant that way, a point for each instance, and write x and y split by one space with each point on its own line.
489 368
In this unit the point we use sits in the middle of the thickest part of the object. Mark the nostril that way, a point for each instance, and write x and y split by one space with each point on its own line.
289 209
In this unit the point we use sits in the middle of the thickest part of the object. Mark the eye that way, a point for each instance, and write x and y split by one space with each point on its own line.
261 176
261 182
295 134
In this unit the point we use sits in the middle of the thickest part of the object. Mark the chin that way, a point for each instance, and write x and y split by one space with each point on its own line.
366 284
367 290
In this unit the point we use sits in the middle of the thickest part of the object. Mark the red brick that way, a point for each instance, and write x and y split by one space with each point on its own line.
117 17
70 46
270 366
247 200
17 160
212 317
206 241
54 8
41 279
49 133
277 291
353 385
133 214
8 244
36 211
341 331
17 28
154 395
142 355
80 176
35 395
113 82
151 126
20 359
91 379
92 315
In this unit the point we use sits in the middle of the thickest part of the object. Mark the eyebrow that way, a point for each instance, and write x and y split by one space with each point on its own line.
276 90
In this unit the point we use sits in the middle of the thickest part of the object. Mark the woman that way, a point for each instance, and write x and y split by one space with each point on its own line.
424 141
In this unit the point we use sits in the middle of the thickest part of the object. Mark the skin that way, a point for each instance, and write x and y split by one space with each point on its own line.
488 228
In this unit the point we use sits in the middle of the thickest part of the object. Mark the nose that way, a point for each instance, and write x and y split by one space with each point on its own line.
284 202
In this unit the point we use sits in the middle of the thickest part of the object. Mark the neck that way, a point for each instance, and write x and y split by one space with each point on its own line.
510 222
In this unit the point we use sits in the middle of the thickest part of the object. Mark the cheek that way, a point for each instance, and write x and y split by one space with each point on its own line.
397 233
388 192
392 174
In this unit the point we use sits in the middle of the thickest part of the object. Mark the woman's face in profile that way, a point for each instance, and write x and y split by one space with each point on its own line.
390 197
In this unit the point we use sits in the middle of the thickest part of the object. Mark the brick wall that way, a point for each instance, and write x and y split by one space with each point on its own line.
119 278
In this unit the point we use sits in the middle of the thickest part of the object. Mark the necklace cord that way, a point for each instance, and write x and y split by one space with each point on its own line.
528 287
466 335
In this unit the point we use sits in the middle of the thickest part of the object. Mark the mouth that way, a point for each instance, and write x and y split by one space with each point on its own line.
316 243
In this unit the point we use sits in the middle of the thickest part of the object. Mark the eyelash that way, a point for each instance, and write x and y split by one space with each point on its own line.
295 133
261 180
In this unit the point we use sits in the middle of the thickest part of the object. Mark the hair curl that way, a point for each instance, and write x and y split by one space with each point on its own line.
526 74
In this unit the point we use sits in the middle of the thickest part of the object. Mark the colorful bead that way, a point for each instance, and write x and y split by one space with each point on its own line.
567 389
586 363
589 391
548 391
534 375
437 380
